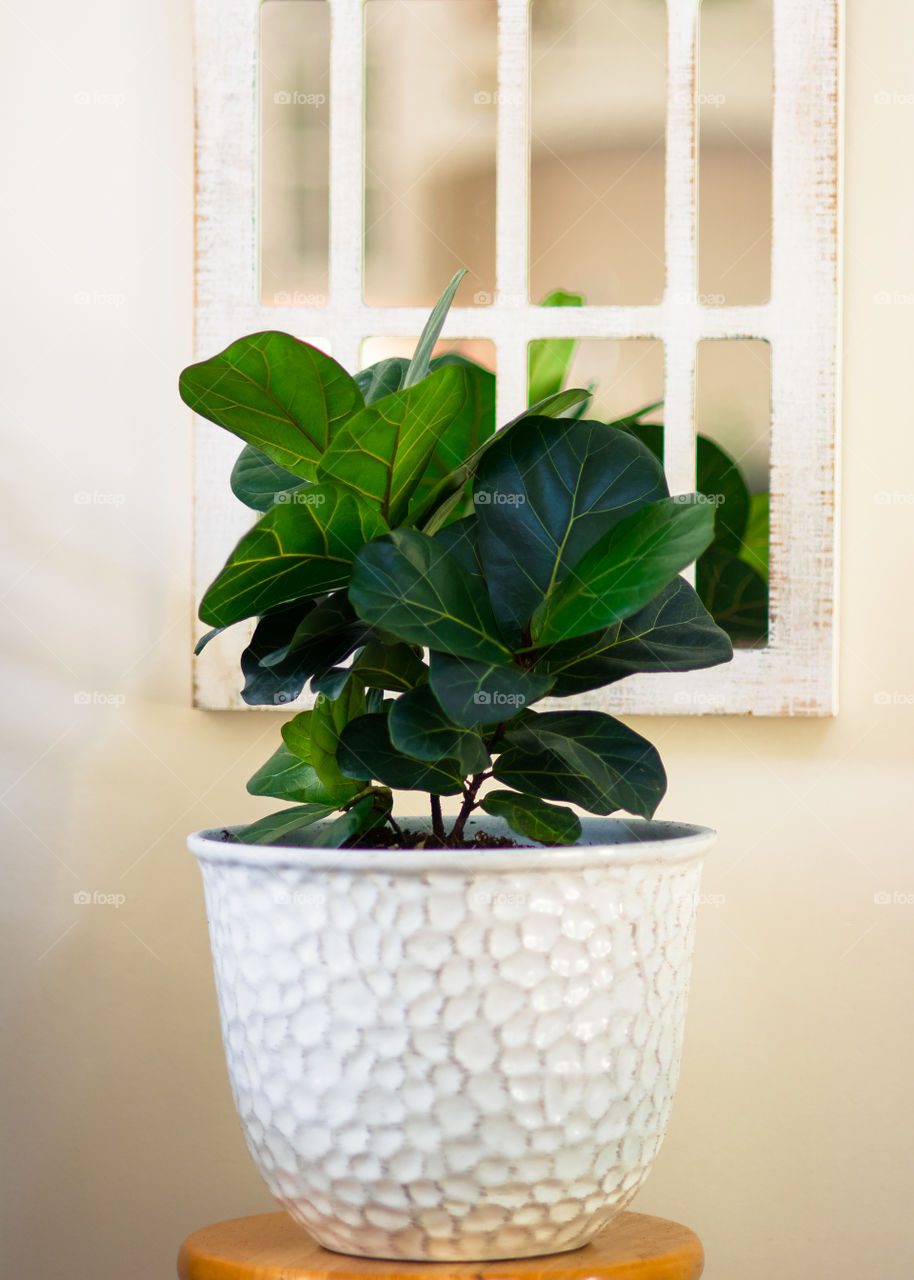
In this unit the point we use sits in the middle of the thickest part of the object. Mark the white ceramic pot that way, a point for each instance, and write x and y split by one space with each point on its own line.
449 1054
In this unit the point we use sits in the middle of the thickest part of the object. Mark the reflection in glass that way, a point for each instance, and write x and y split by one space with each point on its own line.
431 111
598 74
735 94
294 152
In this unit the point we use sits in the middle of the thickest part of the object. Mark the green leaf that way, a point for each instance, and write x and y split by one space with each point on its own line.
205 639
326 634
756 538
735 595
302 547
382 379
474 693
410 585
285 776
420 728
328 719
550 358
396 667
552 407
283 396
625 568
366 749
674 632
460 439
585 758
419 365
257 481
273 678
284 823
382 452
544 495
532 818
719 478
363 816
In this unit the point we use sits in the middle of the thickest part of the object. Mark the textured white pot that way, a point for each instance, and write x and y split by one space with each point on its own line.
450 1054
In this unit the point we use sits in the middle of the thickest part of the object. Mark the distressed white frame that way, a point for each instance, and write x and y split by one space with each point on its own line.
796 673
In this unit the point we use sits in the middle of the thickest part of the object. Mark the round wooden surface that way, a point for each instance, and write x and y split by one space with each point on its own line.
271 1246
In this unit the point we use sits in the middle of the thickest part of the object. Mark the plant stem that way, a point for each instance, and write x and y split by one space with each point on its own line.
437 819
397 829
469 804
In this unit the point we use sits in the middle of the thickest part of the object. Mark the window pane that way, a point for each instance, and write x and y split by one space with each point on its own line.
294 151
735 87
598 146
430 149
733 423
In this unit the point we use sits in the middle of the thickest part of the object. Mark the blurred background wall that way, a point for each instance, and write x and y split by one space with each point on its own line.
790 1148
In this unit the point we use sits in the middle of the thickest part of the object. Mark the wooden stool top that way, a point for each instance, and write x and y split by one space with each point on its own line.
270 1246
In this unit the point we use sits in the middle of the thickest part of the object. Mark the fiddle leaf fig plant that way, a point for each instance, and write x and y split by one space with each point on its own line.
433 580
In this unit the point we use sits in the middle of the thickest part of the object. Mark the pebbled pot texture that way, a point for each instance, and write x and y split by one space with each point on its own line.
455 1055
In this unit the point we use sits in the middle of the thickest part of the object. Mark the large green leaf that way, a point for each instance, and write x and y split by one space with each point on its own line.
284 823
397 667
625 569
532 818
550 358
420 728
410 585
271 676
474 425
382 379
279 394
484 692
552 407
585 758
674 632
544 495
365 749
302 547
328 719
258 482
325 635
382 452
285 776
735 594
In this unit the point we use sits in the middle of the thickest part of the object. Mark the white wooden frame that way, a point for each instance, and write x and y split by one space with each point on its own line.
796 673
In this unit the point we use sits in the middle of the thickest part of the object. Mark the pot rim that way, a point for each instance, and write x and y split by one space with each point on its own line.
606 842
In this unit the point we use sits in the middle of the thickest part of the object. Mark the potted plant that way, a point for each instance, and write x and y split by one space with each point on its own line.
452 1038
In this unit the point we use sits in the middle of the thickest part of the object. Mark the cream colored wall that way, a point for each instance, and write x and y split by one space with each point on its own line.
791 1146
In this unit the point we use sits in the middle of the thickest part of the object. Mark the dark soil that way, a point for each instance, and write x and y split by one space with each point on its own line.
386 838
